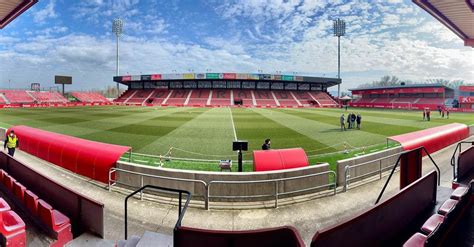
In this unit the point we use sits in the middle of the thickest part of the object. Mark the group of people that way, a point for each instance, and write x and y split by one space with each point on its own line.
352 119
442 113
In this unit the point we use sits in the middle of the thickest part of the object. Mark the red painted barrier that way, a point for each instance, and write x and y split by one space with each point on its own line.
278 159
433 139
88 158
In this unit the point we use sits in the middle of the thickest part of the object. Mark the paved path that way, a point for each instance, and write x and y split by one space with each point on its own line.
307 217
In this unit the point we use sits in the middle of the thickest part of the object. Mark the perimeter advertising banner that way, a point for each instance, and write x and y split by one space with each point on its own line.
241 76
254 76
466 88
230 76
146 77
276 77
463 99
287 78
188 76
126 78
200 76
156 77
136 77
298 78
212 75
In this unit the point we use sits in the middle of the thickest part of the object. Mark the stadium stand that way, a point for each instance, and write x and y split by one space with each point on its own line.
48 97
199 97
18 96
221 97
414 96
89 97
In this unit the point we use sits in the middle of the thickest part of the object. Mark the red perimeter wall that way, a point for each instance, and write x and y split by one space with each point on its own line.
84 157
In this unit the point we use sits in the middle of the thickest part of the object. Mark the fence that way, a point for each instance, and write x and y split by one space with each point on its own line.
208 185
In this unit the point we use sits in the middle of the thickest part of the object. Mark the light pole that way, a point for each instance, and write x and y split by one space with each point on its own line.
339 30
117 29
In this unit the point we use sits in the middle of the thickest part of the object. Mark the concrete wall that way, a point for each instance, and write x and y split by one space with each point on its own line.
471 130
370 167
246 189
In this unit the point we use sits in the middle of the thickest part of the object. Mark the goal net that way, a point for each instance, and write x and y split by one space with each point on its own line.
401 105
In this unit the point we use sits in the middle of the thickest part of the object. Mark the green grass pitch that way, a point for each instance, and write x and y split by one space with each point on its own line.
207 133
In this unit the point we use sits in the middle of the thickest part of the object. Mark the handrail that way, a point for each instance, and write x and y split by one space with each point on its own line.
181 212
276 181
347 169
115 169
453 158
396 164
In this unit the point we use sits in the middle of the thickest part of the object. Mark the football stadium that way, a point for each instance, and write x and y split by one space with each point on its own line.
234 158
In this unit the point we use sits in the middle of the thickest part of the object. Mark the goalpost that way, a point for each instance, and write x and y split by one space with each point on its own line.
401 105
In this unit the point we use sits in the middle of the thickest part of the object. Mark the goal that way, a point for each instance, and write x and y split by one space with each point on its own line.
401 105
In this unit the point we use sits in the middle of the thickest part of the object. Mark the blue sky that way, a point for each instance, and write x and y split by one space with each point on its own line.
391 37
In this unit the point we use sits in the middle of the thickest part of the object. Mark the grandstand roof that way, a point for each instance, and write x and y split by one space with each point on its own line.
10 9
404 86
127 79
456 15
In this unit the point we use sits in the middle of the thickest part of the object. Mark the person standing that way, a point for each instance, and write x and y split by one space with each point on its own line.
11 142
266 144
442 114
447 113
358 119
343 123
428 114
353 119
424 114
349 120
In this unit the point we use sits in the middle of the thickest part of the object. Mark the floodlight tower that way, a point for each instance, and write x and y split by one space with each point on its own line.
339 30
117 29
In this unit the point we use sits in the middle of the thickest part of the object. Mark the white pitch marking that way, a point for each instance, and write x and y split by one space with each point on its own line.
233 125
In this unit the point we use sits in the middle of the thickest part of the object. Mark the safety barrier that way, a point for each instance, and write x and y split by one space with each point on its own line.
380 163
285 185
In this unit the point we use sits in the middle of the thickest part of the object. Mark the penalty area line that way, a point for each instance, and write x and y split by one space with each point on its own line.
233 125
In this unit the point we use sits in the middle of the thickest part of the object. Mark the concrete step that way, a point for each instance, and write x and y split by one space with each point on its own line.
90 240
152 239
130 242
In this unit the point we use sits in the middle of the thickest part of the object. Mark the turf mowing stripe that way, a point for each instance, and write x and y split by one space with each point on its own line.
384 129
327 134
206 136
256 128
233 125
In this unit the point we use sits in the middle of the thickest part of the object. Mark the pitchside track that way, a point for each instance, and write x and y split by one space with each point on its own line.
207 133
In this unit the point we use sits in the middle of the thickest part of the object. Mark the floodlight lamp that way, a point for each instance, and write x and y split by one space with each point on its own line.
117 26
339 27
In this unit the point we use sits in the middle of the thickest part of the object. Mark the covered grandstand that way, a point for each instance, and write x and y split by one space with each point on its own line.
466 97
413 96
227 89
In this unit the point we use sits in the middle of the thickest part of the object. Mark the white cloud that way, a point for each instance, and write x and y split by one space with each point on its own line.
46 13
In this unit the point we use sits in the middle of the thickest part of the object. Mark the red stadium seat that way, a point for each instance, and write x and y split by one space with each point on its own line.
432 223
459 193
31 202
417 240
18 190
4 205
447 207
51 217
12 228
8 182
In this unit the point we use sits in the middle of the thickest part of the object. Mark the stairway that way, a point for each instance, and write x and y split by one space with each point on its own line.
4 98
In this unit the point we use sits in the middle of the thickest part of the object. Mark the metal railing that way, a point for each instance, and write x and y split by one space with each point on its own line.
113 182
398 162
453 158
181 209
276 182
347 169
207 186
